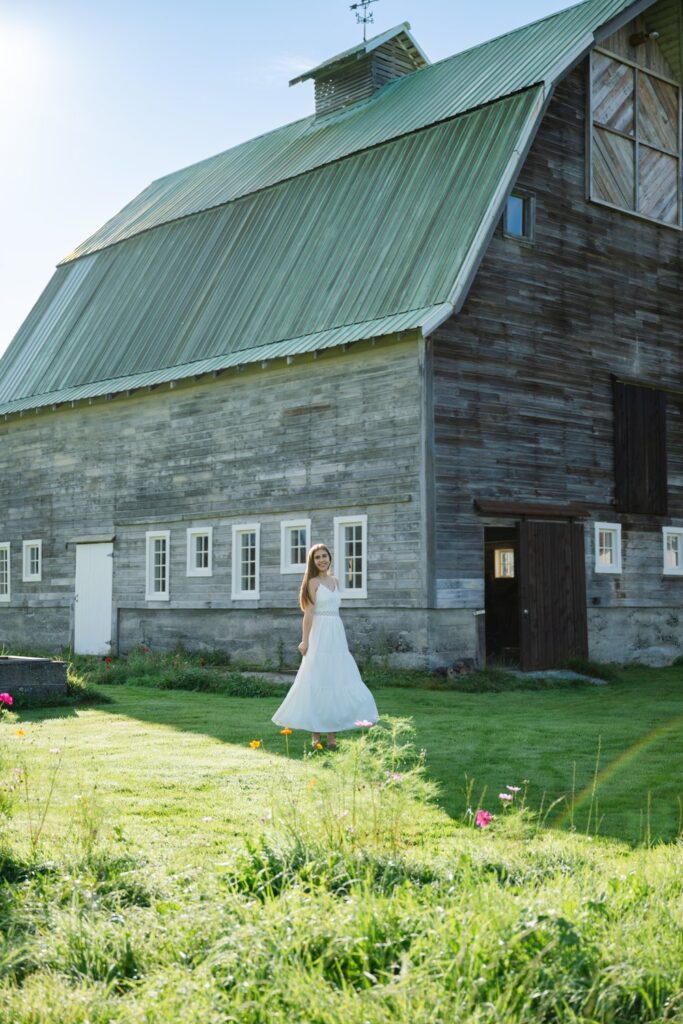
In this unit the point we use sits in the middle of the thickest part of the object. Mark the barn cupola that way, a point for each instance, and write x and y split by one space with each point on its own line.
356 74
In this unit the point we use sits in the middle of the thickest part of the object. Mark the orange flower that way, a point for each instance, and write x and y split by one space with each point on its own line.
20 732
285 732
255 744
318 746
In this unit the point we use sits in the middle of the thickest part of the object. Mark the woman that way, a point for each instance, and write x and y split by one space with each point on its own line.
328 694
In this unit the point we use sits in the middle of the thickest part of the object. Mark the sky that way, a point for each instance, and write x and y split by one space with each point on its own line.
100 97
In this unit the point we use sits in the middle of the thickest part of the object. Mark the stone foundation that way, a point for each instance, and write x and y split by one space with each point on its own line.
652 636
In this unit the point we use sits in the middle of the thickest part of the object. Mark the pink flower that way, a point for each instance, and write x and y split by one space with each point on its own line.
364 724
394 776
6 699
505 796
514 789
483 818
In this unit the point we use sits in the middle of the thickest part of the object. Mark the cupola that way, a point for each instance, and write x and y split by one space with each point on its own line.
356 74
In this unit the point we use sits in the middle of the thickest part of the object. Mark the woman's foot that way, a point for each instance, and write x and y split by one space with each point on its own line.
331 741
315 740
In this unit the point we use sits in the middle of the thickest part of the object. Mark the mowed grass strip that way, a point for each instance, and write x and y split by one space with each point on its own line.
177 767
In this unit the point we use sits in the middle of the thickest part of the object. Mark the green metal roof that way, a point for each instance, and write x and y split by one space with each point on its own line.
537 53
333 229
369 238
362 49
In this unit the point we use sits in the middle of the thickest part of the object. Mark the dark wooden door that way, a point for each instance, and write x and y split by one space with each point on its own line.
552 578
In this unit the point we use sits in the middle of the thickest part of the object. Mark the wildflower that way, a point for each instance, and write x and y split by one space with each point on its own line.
207 817
514 789
55 750
364 724
483 819
285 732
255 744
394 776
311 783
5 698
318 746
20 732
505 797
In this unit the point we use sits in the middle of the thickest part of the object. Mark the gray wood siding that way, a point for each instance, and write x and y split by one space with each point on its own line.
323 437
522 387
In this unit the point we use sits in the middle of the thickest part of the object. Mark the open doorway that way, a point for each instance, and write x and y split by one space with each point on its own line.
501 548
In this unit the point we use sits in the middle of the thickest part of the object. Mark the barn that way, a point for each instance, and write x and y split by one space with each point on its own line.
436 325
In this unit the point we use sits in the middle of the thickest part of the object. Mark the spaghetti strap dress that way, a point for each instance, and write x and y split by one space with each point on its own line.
328 694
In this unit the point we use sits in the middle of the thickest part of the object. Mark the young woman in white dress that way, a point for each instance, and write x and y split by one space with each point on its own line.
328 694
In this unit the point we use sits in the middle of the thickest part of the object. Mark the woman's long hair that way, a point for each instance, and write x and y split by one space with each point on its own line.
310 574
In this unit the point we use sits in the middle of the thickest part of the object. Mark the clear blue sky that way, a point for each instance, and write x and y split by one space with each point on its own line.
99 97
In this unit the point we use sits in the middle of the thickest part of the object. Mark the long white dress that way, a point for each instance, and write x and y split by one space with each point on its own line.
328 694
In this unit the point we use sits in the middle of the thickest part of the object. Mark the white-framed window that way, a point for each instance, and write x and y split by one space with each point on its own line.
519 216
200 551
504 567
158 570
351 555
5 577
32 562
295 540
672 543
245 561
608 547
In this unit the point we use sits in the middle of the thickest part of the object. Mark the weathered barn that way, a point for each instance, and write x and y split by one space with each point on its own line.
436 324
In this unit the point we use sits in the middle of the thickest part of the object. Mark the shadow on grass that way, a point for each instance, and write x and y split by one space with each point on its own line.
610 755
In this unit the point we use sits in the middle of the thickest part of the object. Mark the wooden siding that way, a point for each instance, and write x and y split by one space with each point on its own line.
323 437
523 406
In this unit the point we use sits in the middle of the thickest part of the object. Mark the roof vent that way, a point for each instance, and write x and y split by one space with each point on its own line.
359 72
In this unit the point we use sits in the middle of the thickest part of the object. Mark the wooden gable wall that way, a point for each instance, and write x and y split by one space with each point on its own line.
523 391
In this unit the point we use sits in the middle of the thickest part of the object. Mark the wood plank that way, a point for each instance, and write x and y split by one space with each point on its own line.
613 169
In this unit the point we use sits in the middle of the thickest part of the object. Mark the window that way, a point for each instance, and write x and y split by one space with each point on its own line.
4 572
350 546
608 547
294 544
519 216
32 561
157 583
635 142
672 539
640 471
504 567
200 551
245 561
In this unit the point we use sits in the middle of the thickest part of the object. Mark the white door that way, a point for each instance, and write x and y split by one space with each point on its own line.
92 617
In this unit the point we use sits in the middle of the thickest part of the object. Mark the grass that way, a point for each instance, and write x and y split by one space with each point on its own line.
181 875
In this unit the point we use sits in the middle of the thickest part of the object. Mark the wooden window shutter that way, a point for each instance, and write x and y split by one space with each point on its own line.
640 449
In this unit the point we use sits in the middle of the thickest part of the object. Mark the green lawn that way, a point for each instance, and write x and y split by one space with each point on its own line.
181 876
165 759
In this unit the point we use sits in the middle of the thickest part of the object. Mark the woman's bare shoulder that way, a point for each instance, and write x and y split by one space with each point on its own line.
313 587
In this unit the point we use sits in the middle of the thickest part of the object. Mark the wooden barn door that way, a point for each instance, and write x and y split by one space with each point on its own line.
93 608
552 578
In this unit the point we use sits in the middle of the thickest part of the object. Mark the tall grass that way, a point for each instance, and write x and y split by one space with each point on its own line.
340 909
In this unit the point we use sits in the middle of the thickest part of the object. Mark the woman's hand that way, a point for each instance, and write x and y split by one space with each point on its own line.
303 648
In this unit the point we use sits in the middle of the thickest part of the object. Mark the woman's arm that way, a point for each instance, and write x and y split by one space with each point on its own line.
308 622
308 617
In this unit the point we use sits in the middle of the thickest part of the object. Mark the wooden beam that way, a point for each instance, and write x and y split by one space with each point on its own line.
530 509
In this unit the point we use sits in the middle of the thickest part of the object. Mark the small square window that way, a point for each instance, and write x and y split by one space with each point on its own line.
157 572
504 563
200 551
519 215
5 591
245 561
672 539
32 561
295 541
350 546
608 547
